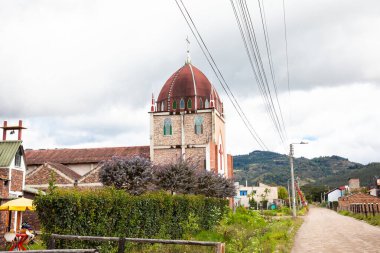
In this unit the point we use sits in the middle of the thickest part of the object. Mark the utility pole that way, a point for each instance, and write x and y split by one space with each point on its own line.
292 179
291 153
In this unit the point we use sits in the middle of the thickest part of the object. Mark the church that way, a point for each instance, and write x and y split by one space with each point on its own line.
186 122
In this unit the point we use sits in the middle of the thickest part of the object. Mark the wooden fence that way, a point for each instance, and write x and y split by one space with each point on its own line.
218 246
365 208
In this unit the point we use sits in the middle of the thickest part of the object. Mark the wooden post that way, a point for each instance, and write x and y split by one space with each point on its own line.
121 247
51 242
220 248
365 210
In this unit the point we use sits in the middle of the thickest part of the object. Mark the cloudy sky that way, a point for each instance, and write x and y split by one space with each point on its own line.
81 73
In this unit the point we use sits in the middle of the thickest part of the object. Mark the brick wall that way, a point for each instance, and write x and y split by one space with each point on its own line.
4 172
92 177
189 125
17 180
43 175
198 155
165 156
159 139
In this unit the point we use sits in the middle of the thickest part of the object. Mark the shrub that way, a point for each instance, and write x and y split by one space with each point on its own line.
111 212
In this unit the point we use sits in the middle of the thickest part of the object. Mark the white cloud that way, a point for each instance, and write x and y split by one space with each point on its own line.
340 120
81 73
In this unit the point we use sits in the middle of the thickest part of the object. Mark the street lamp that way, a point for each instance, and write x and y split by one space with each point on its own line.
292 176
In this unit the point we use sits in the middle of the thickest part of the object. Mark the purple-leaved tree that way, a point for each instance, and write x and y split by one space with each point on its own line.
132 174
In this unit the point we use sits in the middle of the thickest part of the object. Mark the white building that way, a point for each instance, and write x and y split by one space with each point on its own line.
259 193
334 194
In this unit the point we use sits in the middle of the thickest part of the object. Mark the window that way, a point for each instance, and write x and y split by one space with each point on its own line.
162 106
200 103
174 105
182 104
198 125
243 193
207 104
18 158
167 126
189 104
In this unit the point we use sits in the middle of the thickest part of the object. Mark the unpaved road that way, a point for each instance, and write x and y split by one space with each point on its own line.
324 230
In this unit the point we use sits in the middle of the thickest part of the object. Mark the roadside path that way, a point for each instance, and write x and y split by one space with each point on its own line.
324 230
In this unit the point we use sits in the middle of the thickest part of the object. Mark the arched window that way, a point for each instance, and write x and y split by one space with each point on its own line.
198 125
174 105
189 104
182 104
200 103
168 126
207 104
18 158
162 106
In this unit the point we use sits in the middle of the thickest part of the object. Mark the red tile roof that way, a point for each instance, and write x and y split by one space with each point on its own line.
87 155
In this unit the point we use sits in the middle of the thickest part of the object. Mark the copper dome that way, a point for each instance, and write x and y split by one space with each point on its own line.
188 89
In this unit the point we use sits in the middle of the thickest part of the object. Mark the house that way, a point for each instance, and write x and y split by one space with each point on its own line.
73 167
375 188
12 175
359 203
334 194
258 193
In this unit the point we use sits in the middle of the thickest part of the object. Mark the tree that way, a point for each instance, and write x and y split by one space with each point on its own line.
132 174
282 193
264 200
177 177
211 184
184 176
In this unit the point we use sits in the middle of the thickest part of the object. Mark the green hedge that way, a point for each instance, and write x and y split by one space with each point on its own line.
110 212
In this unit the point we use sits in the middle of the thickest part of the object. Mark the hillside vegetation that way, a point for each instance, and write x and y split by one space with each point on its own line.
274 168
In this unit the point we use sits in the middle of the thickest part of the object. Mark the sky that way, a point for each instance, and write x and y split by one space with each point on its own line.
81 73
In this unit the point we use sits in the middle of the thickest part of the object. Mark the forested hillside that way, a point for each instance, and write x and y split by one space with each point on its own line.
273 168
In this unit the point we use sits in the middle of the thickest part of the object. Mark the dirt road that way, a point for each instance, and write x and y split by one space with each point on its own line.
326 231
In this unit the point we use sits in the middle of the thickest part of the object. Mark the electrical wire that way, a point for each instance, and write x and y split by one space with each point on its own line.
219 75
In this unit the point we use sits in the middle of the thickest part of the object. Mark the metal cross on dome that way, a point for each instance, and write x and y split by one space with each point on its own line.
188 44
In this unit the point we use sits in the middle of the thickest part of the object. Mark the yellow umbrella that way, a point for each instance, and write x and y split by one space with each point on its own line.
20 204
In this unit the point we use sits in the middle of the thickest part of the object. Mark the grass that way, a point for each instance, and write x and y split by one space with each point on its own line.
244 231
285 211
370 219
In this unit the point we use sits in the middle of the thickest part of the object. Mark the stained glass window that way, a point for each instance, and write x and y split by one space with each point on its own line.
174 105
189 104
207 104
198 125
167 126
182 104
200 103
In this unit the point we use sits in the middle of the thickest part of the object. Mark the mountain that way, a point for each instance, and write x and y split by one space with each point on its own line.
273 168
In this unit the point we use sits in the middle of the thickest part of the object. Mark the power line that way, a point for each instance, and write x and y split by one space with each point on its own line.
248 35
219 75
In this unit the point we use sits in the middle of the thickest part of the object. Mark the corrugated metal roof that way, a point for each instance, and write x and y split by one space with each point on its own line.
8 151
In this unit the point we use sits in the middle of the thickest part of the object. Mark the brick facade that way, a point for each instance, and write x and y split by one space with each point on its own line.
165 156
17 180
43 176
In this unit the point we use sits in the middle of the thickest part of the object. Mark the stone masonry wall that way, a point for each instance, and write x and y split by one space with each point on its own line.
165 156
17 180
197 155
189 124
190 137
159 138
